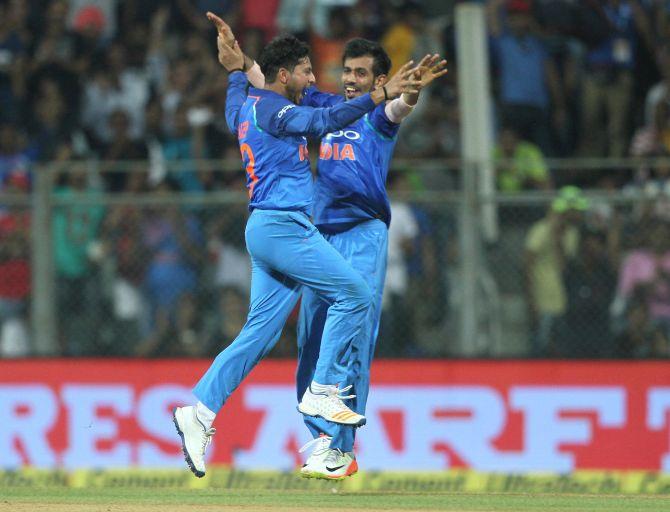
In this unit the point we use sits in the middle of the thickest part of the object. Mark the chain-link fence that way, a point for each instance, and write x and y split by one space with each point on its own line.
155 271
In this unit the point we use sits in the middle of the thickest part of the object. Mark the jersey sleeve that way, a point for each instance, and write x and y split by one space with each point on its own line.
382 125
282 118
315 98
235 98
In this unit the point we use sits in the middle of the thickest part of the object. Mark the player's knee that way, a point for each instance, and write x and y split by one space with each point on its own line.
360 294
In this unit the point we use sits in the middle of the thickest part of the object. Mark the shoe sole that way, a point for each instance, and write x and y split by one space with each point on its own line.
313 414
351 470
187 457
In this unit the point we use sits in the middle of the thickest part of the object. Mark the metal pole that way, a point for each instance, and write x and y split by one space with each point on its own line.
43 315
476 105
476 149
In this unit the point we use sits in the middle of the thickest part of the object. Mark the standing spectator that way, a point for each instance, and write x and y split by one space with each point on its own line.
120 149
530 91
174 242
520 164
12 66
397 322
115 86
15 159
646 271
549 244
124 244
608 79
75 229
14 274
590 283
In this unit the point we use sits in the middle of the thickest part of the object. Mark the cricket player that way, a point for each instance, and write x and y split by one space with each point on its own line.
287 251
351 210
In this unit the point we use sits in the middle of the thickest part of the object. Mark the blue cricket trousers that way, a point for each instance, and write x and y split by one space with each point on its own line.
365 247
287 253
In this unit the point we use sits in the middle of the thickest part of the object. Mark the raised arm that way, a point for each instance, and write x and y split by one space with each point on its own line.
317 122
235 98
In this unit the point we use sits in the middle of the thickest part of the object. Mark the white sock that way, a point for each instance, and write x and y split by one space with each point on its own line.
317 388
204 414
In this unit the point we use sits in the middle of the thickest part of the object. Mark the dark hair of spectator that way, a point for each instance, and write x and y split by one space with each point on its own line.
360 47
282 52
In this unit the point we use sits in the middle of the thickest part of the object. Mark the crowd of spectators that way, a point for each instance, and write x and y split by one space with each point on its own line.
133 90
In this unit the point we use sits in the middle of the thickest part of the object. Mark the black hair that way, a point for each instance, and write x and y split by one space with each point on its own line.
282 52
359 47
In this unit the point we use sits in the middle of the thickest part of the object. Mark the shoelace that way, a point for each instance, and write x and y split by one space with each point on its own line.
334 455
320 439
335 391
208 438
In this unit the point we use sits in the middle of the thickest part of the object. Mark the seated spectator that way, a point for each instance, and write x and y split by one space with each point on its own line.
519 164
550 243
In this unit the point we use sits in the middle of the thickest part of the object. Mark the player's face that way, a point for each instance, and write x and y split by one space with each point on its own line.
357 76
301 78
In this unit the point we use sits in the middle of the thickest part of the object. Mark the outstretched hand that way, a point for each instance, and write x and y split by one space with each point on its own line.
430 68
404 81
224 30
230 57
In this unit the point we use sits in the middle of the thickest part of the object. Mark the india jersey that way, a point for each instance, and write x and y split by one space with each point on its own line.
352 170
271 132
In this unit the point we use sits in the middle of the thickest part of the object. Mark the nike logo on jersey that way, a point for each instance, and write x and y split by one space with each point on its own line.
335 468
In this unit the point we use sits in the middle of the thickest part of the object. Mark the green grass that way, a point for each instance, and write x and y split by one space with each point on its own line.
172 499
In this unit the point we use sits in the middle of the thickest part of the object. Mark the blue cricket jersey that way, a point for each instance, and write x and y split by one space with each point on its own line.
271 131
353 165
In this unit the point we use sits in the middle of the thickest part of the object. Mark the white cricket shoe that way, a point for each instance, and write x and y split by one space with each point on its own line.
333 464
330 407
321 445
195 438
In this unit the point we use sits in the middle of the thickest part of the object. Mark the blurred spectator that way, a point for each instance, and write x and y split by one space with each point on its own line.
120 150
233 306
173 240
75 231
186 144
608 79
645 272
114 86
397 324
327 50
550 243
519 164
123 242
408 36
13 53
640 338
590 283
15 159
530 91
14 274
97 15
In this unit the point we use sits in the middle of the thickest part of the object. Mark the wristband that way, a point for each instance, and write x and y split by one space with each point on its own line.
386 94
236 69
